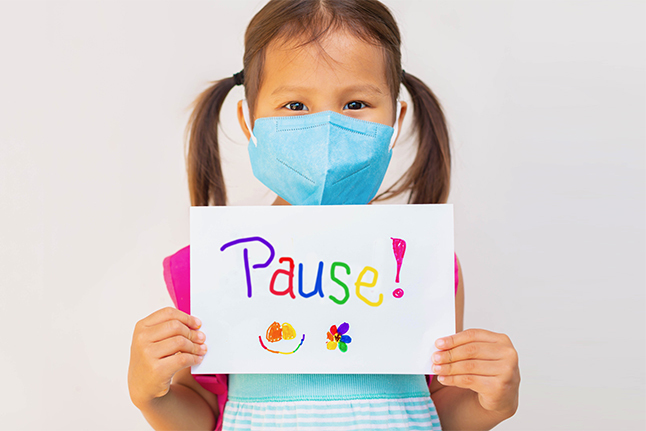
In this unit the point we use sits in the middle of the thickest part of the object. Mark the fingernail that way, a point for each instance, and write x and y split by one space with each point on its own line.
440 342
437 368
441 378
203 347
437 358
201 336
200 359
198 322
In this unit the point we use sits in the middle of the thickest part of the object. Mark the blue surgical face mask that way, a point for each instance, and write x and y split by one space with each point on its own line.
321 159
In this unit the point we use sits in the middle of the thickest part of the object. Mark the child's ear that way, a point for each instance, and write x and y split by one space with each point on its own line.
241 120
402 114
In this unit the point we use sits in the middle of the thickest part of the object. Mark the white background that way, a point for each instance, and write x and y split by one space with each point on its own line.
546 107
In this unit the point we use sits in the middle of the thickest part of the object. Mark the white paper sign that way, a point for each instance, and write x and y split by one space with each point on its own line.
322 289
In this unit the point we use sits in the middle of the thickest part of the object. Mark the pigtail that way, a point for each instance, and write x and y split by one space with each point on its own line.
205 179
430 173
429 176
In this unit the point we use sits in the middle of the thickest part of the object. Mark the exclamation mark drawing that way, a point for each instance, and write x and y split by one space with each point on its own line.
399 248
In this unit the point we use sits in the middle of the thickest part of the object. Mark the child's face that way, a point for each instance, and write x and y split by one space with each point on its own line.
343 74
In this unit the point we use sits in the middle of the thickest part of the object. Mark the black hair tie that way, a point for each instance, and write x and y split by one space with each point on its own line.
403 74
238 78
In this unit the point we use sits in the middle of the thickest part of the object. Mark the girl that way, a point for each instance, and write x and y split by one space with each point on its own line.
338 62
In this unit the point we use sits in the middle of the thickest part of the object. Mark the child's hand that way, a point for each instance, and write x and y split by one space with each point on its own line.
483 361
162 344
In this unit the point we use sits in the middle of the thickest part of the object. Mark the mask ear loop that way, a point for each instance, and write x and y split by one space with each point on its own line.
247 120
395 126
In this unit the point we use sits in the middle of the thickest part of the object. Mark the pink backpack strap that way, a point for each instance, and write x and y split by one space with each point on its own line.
456 273
177 275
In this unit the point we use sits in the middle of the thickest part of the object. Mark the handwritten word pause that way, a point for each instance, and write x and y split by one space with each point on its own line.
289 273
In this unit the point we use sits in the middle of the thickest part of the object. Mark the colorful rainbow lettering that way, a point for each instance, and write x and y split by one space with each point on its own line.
399 247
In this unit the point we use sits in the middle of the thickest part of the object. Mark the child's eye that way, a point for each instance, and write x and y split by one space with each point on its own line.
355 105
296 106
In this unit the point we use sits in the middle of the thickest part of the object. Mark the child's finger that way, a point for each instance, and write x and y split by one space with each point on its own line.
171 328
478 350
171 346
179 361
470 336
479 384
472 366
170 313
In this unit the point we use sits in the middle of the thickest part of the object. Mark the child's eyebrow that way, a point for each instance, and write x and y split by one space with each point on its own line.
365 88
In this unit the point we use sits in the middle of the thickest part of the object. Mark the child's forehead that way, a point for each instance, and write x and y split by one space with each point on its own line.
337 57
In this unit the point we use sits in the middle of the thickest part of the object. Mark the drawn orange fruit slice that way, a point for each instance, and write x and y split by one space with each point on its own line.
289 333
275 333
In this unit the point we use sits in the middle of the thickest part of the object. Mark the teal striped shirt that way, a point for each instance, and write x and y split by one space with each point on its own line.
329 402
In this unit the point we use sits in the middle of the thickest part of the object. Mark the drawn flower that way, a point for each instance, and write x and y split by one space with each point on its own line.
338 337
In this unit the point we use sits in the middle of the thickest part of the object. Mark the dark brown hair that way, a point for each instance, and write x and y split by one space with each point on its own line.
308 21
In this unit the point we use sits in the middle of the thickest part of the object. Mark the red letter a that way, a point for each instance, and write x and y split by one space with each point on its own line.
290 274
